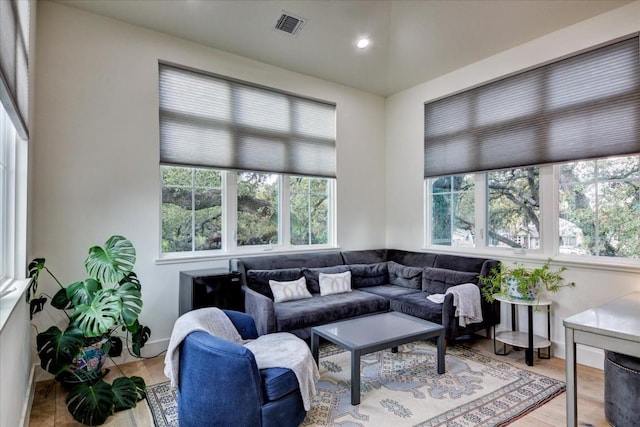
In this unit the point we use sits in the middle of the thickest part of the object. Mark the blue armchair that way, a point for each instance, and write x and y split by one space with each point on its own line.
220 384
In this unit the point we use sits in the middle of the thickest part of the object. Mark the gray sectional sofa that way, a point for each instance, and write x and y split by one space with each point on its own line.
382 280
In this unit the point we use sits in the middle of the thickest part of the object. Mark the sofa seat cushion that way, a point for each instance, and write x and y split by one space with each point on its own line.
416 304
319 310
278 382
390 291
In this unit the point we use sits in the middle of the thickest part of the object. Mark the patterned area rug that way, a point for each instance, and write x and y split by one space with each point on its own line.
404 389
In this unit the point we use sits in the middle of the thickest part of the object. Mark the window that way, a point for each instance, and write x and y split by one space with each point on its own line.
191 209
453 211
195 217
514 208
6 136
597 211
243 166
599 207
310 210
577 116
258 196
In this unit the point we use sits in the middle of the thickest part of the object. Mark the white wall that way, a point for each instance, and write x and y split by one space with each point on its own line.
404 153
96 170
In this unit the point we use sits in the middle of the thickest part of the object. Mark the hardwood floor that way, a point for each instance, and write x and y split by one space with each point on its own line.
49 410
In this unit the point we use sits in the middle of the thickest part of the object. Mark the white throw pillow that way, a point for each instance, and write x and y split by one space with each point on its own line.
334 283
289 291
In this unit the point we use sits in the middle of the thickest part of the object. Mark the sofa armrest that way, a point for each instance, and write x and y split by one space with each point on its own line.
449 319
261 309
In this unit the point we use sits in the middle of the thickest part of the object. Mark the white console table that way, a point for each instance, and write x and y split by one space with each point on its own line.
613 326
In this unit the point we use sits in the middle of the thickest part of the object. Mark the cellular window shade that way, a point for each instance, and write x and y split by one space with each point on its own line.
585 106
215 122
14 62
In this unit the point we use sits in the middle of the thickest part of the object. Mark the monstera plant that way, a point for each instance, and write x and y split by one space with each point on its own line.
101 310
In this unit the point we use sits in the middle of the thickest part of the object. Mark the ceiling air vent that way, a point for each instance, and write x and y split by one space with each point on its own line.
289 23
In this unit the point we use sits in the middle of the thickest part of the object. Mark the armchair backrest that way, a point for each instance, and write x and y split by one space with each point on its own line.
216 378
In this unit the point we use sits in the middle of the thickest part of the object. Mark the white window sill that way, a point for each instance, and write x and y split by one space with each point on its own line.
223 256
9 301
512 255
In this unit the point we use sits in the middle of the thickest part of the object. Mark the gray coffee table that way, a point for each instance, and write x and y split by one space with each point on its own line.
368 334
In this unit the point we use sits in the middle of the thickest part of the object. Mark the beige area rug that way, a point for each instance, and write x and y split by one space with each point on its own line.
404 389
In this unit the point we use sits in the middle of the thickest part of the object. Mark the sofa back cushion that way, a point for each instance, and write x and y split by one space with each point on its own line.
258 280
365 275
438 280
312 275
367 256
405 276
411 259
294 260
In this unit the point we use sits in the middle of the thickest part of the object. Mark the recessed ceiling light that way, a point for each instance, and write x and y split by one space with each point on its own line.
363 42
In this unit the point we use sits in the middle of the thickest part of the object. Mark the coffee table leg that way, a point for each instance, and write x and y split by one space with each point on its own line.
355 377
315 343
441 353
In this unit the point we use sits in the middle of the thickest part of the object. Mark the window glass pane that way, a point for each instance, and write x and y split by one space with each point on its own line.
309 210
191 209
4 170
257 209
600 207
514 208
453 211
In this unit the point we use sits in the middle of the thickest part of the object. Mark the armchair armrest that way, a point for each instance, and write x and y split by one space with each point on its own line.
244 323
261 309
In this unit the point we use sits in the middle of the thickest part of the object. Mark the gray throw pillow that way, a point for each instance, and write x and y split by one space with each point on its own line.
402 275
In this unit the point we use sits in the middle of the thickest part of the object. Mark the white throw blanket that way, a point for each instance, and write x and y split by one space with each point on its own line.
280 350
466 300
285 350
211 320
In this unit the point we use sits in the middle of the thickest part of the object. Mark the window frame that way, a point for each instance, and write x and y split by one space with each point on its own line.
549 230
229 247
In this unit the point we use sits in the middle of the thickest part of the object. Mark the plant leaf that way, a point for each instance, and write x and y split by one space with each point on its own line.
131 302
57 349
125 394
141 387
98 317
139 338
111 264
91 404
34 269
83 292
113 346
61 301
132 278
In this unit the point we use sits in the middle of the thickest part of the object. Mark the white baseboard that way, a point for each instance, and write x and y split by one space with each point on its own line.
28 401
585 355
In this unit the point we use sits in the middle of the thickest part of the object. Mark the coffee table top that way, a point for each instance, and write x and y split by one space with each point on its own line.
377 329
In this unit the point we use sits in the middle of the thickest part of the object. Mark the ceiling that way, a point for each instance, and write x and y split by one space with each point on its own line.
411 41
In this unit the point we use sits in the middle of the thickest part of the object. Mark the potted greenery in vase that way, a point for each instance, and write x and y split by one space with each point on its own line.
520 282
97 308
